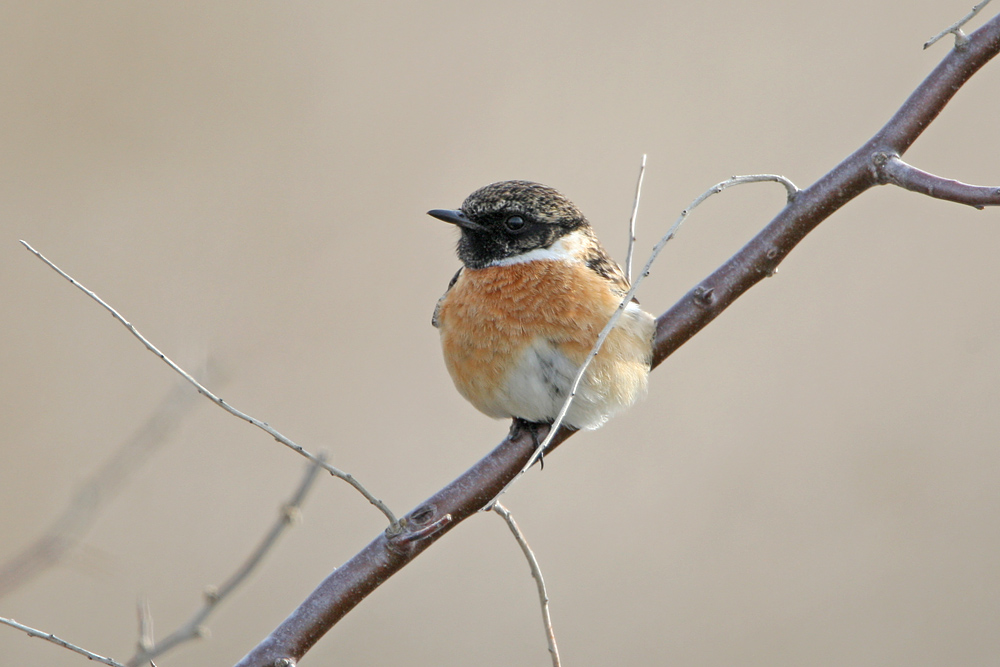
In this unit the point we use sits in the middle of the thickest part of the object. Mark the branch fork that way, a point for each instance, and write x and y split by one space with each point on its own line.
889 168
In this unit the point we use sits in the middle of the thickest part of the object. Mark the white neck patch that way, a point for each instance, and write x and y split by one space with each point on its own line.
568 248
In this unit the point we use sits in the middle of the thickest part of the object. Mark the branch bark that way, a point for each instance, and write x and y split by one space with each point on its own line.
891 169
759 258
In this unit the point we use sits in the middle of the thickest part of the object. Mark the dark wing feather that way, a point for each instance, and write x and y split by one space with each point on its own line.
599 262
454 279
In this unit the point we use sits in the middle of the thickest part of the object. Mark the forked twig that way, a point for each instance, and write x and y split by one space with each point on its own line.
264 426
961 39
193 628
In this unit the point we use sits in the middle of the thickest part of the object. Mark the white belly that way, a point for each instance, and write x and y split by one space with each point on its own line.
538 384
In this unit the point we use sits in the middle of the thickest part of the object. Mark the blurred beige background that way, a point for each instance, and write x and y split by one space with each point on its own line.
813 480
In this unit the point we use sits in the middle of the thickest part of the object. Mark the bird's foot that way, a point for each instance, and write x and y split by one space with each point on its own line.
537 431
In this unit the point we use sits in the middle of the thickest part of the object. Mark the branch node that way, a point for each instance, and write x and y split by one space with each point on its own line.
408 537
291 515
961 39
703 296
879 158
284 662
211 594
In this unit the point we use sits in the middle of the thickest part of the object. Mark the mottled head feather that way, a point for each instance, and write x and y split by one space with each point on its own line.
546 205
511 218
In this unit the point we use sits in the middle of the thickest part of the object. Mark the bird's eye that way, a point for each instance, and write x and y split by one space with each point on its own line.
514 223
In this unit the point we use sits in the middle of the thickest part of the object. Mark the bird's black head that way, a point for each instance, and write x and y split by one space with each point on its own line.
510 218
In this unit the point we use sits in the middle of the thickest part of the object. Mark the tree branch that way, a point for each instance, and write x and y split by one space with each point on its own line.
891 169
759 258
193 628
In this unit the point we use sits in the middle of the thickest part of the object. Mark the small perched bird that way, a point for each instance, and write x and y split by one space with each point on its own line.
520 317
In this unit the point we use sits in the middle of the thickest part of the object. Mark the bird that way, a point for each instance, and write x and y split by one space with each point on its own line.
521 315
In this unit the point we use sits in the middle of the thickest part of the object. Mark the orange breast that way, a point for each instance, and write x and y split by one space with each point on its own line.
490 315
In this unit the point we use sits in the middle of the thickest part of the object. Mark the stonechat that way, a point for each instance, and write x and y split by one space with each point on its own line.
520 317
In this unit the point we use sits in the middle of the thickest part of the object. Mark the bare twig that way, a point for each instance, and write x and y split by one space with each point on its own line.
193 628
83 509
342 590
347 477
147 637
632 219
961 39
536 572
892 169
49 637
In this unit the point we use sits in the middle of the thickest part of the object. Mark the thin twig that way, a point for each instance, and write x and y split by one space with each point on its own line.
961 39
347 477
194 628
714 190
891 169
147 637
536 572
90 497
631 221
49 637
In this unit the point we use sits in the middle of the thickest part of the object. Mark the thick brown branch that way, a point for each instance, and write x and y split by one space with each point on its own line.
378 561
349 584
891 169
761 256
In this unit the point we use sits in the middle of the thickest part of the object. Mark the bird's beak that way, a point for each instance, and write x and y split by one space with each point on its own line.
456 217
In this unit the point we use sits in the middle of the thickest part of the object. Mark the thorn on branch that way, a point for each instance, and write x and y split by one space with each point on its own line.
703 296
413 531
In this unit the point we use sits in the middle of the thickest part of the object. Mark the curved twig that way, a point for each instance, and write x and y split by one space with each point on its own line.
536 572
891 169
632 220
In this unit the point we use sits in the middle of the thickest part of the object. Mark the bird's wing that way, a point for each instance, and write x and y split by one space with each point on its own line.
437 308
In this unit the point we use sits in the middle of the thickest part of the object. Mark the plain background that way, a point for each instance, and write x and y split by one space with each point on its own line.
814 479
